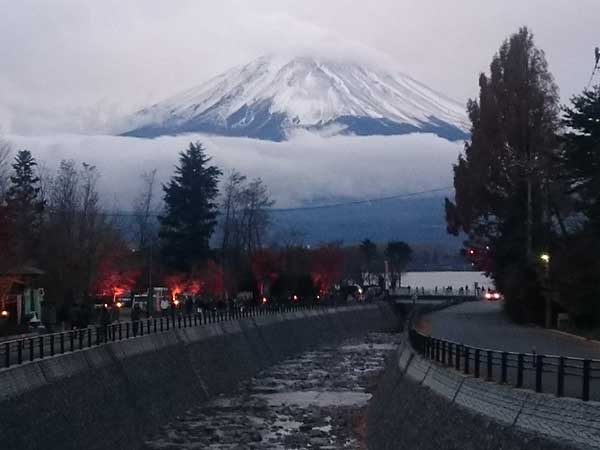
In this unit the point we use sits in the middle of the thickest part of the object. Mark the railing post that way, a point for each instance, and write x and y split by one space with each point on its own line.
161 324
520 361
41 342
148 326
154 324
539 370
72 340
477 360
444 352
450 347
127 327
560 381
19 352
52 345
457 357
80 338
504 369
31 349
62 343
490 365
587 368
89 337
7 354
466 358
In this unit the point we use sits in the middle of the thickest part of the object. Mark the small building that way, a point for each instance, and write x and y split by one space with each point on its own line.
21 298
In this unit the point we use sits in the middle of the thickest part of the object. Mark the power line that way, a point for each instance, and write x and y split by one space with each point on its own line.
308 208
361 202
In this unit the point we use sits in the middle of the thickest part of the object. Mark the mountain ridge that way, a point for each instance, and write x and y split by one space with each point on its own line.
271 96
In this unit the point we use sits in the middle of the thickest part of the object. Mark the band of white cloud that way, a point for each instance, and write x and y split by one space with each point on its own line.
307 168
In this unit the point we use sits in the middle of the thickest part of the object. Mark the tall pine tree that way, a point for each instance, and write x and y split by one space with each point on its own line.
191 210
502 180
580 156
24 208
575 259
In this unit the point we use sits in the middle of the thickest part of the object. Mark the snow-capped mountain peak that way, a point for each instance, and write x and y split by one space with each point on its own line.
272 95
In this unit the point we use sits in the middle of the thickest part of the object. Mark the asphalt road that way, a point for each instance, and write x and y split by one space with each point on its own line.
484 325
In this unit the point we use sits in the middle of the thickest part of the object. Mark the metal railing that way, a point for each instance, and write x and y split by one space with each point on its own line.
561 375
19 351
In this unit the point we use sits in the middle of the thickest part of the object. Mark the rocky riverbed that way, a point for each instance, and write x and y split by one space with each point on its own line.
315 401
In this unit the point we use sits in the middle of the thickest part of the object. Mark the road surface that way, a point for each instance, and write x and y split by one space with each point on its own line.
484 324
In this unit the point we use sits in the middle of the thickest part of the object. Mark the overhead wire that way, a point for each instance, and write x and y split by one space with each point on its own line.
310 207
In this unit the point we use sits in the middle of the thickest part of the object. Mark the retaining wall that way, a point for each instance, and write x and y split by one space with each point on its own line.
109 397
429 406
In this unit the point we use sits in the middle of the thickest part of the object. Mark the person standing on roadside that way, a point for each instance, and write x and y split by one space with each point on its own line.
104 322
135 318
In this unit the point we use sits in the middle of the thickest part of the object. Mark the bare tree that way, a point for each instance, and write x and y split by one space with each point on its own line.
89 224
244 223
255 215
5 157
142 208
230 210
145 227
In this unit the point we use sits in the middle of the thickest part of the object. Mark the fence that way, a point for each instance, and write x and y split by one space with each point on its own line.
563 376
19 351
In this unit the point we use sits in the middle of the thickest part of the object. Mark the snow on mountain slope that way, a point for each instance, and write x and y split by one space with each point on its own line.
272 96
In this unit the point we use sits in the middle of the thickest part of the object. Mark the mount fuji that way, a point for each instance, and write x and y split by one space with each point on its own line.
272 96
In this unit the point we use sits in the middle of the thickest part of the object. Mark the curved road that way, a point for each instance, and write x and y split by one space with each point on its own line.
483 324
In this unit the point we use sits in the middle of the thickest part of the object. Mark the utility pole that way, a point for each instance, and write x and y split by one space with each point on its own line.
529 218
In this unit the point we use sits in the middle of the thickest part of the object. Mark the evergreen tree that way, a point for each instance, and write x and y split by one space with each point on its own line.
502 180
399 254
575 258
580 156
191 210
24 207
369 253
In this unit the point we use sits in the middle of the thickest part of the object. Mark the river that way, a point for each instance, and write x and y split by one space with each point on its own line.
314 401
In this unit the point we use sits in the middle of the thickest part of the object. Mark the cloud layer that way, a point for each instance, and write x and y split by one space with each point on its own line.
306 169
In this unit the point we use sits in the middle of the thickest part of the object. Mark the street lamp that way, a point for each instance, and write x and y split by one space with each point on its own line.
545 258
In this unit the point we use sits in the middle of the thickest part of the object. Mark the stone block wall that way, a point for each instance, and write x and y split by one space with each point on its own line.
110 397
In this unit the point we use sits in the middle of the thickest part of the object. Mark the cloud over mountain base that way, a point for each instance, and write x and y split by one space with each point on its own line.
307 169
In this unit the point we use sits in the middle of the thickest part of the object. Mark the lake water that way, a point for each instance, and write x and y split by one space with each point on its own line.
429 280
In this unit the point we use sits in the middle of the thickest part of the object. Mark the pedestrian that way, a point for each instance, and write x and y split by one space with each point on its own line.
164 306
104 322
135 318
189 306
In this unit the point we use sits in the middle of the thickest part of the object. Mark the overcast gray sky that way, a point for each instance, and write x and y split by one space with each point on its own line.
71 65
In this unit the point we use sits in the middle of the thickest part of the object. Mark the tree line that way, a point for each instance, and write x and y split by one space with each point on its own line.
527 188
208 234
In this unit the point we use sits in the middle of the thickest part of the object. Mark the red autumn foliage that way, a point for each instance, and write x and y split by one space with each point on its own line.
327 263
207 280
266 266
116 274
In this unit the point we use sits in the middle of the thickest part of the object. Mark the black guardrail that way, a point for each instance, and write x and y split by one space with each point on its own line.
18 351
561 375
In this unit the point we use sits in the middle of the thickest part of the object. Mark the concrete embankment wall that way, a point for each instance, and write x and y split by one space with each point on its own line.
422 405
109 397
